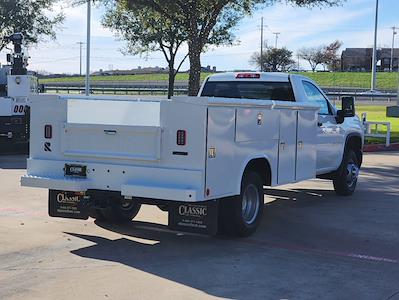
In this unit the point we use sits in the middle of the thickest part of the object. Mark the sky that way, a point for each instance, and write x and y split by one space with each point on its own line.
352 23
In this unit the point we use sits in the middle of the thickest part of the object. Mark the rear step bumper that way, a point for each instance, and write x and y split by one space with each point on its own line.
140 191
174 193
51 183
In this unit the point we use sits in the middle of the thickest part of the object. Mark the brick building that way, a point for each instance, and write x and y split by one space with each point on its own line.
360 59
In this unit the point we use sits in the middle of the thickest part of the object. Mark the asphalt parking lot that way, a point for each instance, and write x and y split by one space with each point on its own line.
311 245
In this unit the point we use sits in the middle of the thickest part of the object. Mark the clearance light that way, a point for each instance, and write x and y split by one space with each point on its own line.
48 131
248 76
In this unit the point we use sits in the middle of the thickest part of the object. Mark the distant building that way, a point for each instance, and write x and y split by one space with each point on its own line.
360 59
208 69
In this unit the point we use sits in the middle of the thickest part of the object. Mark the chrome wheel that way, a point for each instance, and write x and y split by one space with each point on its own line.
250 204
352 174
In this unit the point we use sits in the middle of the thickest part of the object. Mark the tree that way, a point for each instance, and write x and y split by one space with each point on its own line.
273 59
29 17
209 22
146 30
314 56
332 59
326 55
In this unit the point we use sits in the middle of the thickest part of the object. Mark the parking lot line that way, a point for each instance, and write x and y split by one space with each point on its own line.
321 252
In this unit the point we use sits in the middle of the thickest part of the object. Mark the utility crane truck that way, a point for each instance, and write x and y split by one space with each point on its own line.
15 88
205 159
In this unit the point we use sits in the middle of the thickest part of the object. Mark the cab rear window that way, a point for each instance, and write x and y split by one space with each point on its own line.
249 90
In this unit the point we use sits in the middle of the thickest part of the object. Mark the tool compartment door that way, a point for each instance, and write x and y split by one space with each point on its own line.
287 146
306 145
220 167
110 130
112 142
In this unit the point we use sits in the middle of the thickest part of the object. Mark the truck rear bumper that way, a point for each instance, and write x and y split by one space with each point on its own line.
82 185
131 181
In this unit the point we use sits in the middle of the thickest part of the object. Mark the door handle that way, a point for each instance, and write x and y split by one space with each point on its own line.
110 132
282 145
300 145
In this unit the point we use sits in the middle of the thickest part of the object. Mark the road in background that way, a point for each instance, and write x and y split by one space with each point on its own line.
311 245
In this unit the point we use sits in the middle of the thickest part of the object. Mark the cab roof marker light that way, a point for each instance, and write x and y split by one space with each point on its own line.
248 76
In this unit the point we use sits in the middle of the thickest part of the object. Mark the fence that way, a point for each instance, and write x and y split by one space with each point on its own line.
159 89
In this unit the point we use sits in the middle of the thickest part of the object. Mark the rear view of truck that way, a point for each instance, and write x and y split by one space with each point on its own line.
204 160
112 155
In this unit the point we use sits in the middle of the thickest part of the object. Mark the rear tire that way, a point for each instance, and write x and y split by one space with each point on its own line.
240 216
120 211
346 179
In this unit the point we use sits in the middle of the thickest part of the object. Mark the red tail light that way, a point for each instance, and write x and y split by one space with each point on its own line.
181 138
48 131
248 76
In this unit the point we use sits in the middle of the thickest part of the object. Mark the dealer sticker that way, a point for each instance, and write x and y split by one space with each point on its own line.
196 218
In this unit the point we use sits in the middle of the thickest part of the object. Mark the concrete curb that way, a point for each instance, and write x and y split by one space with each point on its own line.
380 147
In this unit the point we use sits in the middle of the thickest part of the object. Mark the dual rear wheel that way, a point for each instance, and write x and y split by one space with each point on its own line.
241 215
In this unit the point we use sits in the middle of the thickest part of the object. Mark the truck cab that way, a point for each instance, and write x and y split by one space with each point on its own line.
334 132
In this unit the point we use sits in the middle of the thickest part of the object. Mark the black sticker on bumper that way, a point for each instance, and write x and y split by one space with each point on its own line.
194 217
69 205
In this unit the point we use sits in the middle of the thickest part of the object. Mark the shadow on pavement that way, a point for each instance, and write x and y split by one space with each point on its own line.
305 235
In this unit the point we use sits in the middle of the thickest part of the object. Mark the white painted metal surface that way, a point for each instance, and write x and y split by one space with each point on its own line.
131 146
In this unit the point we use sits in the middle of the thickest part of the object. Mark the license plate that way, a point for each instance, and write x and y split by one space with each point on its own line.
71 205
75 171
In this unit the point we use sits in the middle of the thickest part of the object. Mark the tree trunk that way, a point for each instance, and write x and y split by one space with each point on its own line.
172 76
195 70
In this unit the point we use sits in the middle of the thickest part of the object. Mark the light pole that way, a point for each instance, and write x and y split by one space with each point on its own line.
261 45
80 57
277 34
374 62
394 32
87 85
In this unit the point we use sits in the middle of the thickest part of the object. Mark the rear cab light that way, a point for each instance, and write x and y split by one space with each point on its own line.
248 76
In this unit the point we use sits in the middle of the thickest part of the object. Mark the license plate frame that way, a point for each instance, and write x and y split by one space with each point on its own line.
75 170
70 205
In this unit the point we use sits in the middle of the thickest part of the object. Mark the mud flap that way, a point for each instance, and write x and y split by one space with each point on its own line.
194 217
70 205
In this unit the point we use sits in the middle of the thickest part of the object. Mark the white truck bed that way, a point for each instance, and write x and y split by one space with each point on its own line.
130 145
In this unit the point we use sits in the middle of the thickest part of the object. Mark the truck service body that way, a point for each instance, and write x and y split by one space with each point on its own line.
15 88
203 159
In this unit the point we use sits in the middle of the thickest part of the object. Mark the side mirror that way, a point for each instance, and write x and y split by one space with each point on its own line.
348 109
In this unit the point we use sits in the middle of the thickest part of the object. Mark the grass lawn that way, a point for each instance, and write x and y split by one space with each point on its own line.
140 77
378 114
325 79
385 80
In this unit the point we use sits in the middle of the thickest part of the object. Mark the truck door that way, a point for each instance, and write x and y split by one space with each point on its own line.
287 146
330 136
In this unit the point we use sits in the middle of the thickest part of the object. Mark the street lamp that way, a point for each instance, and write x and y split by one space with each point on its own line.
87 85
374 62
394 32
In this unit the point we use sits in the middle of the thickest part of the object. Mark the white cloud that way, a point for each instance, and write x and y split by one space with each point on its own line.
299 27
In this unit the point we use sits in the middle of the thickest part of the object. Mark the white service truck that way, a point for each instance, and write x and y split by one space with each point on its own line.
15 88
203 159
